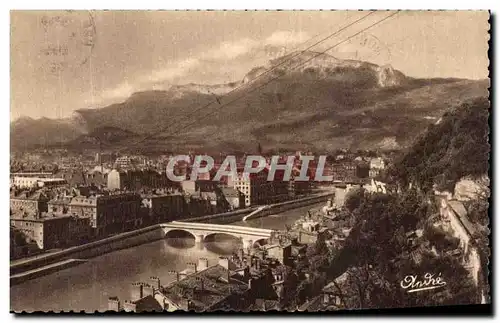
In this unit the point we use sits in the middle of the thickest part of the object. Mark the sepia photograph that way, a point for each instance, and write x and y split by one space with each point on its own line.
249 161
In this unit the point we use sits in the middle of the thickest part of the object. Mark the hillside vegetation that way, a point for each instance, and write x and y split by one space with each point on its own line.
455 147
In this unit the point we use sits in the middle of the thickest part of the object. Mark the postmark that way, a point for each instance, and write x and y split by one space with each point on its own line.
367 47
69 38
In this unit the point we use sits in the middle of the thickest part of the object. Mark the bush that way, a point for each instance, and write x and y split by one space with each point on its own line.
448 151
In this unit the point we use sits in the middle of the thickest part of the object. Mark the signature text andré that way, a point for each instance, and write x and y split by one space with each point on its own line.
412 283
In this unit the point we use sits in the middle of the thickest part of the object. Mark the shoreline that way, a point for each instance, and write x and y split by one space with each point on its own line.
46 264
45 270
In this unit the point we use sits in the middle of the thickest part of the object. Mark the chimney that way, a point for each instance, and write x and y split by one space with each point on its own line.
137 291
224 262
202 283
176 273
155 282
113 304
129 306
185 304
147 290
242 254
202 264
250 284
192 267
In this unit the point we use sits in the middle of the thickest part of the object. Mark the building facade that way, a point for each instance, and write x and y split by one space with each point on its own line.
28 202
51 231
135 180
109 214
258 190
376 166
234 198
36 182
158 208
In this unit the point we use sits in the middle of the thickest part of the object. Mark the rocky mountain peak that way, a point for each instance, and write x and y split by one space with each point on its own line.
388 76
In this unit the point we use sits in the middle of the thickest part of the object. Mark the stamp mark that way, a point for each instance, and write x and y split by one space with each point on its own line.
70 37
370 46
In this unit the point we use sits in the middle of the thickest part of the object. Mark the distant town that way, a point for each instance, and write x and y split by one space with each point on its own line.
64 205
60 200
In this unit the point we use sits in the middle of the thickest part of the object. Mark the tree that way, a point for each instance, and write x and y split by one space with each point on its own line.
456 147
384 255
353 199
365 287
478 211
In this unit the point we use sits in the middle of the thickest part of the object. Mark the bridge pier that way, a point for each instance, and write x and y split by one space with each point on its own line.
199 241
247 245
198 238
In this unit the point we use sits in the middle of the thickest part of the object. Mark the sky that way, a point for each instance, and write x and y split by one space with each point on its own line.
62 61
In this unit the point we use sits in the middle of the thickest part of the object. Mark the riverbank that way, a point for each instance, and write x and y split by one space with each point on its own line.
88 285
92 249
27 269
285 206
45 270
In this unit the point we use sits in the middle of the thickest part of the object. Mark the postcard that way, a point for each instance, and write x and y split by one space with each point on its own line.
248 161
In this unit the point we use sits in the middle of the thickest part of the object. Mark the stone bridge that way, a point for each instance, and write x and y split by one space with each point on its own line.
200 231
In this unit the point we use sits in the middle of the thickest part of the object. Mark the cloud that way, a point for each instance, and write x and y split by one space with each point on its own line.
122 90
180 68
232 50
285 38
228 59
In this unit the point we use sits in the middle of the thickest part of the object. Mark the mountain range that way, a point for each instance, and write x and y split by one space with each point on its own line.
301 101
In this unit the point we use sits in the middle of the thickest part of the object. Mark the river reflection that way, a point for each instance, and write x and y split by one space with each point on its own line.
88 286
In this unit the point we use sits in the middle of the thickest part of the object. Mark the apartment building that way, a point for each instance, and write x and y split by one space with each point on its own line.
108 214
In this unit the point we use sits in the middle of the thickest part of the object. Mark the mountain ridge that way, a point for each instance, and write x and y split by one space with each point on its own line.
325 104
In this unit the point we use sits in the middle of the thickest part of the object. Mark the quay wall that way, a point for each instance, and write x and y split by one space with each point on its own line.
92 249
222 218
45 270
288 205
233 216
141 236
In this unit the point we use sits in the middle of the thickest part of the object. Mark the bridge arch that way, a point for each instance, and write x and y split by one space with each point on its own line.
204 231
180 238
213 235
179 233
260 242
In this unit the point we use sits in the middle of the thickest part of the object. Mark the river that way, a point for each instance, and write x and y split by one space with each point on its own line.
87 286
